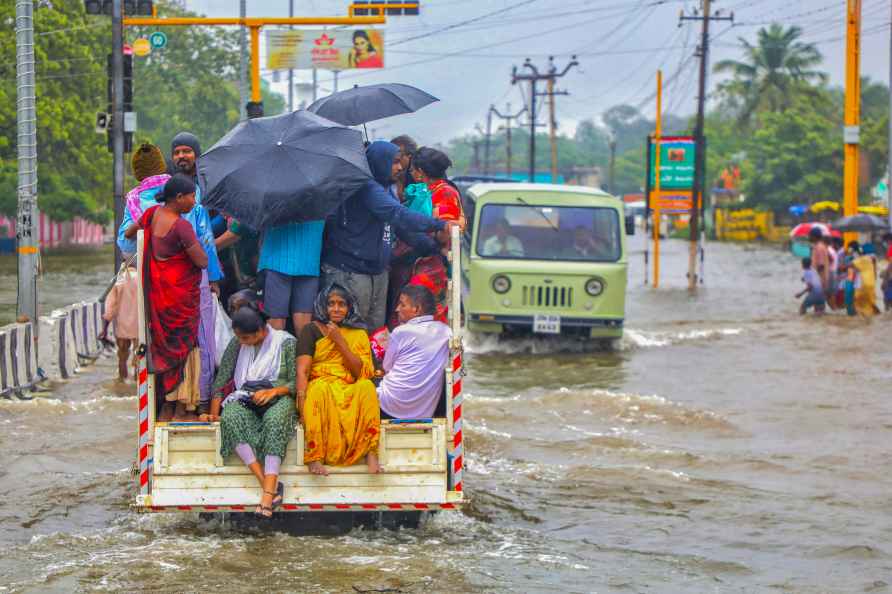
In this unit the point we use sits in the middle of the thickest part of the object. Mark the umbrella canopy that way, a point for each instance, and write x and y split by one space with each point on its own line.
360 105
860 223
802 230
289 168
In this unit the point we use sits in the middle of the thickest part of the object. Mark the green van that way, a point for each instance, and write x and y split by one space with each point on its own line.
546 259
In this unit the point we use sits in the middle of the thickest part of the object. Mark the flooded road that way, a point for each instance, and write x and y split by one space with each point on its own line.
728 446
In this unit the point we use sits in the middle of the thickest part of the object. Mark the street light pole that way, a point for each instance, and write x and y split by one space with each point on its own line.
26 116
118 118
243 62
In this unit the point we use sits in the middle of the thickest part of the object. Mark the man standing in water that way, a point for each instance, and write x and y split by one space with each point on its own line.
185 150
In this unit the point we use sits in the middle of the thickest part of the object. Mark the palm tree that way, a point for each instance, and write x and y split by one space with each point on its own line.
776 66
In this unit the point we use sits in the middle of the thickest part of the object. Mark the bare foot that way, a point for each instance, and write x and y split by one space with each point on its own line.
181 414
316 467
166 414
374 464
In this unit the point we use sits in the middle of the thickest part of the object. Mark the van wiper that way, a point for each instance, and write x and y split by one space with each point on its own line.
539 212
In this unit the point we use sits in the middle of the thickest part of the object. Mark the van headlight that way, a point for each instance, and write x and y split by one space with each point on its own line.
595 286
501 284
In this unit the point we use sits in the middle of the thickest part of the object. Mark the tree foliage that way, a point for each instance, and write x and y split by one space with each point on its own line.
189 85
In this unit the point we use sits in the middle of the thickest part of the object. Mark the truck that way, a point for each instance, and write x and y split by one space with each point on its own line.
179 467
545 259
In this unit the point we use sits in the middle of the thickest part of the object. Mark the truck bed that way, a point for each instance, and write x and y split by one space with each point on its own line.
188 472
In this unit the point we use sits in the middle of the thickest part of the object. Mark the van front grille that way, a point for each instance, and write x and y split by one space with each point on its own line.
543 296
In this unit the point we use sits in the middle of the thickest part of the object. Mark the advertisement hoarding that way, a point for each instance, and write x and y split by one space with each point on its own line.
344 49
676 163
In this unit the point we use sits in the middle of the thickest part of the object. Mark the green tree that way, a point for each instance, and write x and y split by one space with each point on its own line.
770 72
73 162
794 157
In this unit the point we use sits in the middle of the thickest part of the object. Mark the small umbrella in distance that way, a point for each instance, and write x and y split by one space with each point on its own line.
860 223
373 102
293 167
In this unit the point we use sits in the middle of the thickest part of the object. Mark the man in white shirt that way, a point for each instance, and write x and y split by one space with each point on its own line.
416 358
502 244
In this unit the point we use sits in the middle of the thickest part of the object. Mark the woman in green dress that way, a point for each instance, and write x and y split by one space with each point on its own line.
258 417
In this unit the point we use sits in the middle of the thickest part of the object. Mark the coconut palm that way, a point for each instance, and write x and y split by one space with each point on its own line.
772 70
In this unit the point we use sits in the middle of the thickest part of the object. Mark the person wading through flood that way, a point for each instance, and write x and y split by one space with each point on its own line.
173 263
357 236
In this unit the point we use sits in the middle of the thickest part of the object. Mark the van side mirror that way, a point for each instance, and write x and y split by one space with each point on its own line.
630 225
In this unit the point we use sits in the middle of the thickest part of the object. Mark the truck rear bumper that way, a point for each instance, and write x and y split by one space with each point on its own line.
144 506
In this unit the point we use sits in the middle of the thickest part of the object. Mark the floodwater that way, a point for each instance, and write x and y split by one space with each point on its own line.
728 445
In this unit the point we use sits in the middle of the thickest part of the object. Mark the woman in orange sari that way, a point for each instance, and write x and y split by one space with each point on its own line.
173 259
336 399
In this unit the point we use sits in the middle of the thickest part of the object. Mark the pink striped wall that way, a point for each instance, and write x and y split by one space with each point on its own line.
55 234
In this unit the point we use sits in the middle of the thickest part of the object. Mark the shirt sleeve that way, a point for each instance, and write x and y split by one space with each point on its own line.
306 344
185 234
385 207
126 245
393 347
226 369
206 237
288 368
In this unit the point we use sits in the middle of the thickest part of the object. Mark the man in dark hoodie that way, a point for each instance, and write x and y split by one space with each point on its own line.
358 239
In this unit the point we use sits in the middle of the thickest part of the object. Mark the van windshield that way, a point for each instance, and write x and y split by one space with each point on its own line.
529 231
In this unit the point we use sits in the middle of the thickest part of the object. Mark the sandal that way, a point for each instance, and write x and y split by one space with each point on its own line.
264 512
278 497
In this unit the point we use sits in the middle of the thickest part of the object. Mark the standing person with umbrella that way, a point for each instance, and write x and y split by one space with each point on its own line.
358 235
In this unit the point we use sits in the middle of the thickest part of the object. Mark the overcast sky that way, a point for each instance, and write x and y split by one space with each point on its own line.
462 51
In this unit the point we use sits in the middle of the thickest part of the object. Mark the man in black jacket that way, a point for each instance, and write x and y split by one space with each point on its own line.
358 239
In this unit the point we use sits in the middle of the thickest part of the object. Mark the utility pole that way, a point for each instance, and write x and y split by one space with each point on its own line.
26 121
487 139
612 170
475 162
533 77
700 156
336 72
118 117
291 70
852 130
243 62
889 164
507 127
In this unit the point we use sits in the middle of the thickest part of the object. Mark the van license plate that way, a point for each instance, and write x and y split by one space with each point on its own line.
546 324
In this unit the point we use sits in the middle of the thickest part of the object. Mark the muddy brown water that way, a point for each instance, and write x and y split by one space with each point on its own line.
728 445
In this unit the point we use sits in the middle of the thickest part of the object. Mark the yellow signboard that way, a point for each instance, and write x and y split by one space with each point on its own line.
142 47
344 49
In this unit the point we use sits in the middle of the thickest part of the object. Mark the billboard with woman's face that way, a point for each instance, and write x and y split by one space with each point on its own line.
344 49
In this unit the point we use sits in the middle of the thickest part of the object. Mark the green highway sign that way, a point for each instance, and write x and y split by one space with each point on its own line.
676 163
158 40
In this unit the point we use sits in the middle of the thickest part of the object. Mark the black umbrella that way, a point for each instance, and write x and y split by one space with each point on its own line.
861 223
373 102
289 168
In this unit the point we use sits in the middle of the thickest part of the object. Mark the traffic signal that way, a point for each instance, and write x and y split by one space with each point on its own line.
375 8
131 7
128 100
128 82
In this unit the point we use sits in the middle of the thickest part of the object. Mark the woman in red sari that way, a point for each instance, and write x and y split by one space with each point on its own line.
173 259
429 167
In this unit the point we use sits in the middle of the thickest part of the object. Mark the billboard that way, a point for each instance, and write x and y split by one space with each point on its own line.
344 49
676 163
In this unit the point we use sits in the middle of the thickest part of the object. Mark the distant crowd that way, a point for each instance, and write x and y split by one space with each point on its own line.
843 277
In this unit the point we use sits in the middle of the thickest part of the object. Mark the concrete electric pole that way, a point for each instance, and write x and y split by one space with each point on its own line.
699 137
534 77
27 241
118 118
243 62
509 118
